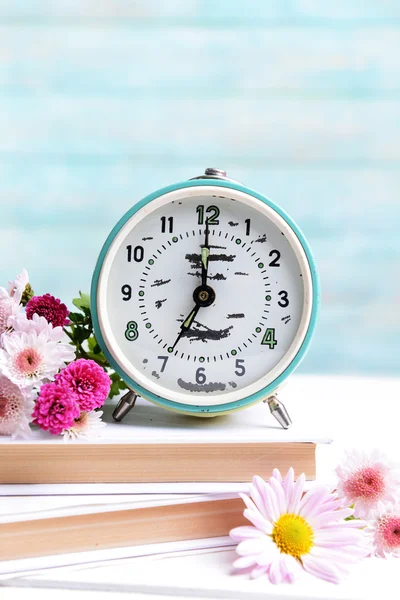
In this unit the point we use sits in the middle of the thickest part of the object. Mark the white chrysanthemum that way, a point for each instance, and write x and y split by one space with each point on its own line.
39 324
364 479
383 530
15 409
16 288
8 308
29 359
88 425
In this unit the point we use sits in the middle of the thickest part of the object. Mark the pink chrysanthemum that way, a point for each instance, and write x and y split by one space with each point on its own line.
88 381
383 530
292 531
50 308
364 480
56 408
15 409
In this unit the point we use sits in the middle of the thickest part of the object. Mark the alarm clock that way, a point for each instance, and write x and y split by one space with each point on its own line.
204 298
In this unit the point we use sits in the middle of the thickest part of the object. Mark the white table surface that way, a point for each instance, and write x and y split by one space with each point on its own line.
358 412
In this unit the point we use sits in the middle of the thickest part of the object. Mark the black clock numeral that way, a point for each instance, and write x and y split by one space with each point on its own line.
126 292
165 360
164 224
138 253
240 368
284 302
200 375
248 222
274 262
131 332
269 338
211 220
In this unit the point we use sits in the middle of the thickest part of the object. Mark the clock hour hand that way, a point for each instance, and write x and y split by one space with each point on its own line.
205 253
187 323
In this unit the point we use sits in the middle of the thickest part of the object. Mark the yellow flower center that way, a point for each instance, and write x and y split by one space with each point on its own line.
293 535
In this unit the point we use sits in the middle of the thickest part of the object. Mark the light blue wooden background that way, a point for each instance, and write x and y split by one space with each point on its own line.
103 101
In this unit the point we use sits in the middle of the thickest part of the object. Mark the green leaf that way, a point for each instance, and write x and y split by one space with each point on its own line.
82 302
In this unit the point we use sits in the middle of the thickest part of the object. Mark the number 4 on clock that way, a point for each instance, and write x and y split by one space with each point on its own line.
269 338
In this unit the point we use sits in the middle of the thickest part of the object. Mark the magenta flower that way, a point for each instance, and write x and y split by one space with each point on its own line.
88 381
291 531
48 307
56 408
364 480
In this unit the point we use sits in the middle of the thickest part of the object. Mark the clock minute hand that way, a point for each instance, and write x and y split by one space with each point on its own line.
187 323
205 254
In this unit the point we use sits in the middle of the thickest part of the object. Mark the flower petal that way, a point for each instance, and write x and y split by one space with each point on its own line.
244 562
320 568
248 501
257 494
298 488
275 571
252 546
277 475
288 485
258 571
258 521
238 534
279 495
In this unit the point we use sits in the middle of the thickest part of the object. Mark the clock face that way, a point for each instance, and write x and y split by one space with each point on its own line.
204 342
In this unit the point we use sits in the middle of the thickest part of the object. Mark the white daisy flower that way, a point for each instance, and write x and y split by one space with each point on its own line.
29 359
87 425
15 409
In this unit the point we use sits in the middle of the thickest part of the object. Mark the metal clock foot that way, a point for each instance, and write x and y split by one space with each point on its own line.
279 411
126 404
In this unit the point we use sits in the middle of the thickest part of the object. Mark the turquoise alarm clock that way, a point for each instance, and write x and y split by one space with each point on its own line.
204 298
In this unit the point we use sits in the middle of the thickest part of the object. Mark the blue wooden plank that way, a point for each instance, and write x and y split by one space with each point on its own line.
231 128
326 202
226 11
212 62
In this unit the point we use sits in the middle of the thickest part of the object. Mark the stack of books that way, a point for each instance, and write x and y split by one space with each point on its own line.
156 478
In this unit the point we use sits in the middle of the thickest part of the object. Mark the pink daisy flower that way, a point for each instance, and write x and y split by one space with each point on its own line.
364 480
55 408
291 531
383 530
50 308
88 381
15 409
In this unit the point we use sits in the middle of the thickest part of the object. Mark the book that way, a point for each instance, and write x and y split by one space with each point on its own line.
27 529
153 445
182 570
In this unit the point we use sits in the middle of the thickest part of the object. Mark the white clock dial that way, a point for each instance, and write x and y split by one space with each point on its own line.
258 283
